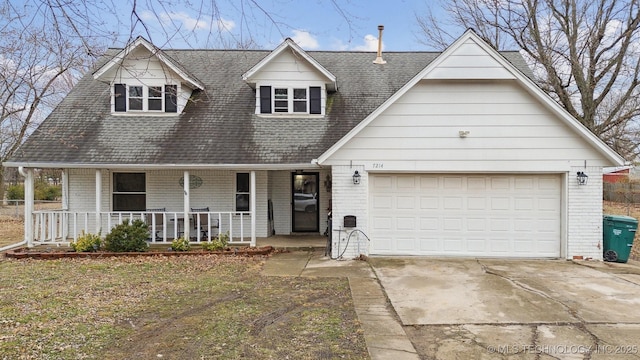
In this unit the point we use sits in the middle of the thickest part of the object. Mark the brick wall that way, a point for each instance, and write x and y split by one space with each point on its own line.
349 199
584 215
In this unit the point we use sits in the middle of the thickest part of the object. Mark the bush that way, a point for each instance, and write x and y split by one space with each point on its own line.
15 192
127 237
180 244
87 243
42 191
218 243
45 191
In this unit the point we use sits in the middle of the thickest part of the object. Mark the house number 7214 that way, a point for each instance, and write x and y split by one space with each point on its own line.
378 165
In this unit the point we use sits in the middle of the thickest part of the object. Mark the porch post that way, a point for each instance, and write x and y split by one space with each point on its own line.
252 201
98 200
29 195
187 206
65 189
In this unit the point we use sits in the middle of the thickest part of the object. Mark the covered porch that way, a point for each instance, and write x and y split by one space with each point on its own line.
131 195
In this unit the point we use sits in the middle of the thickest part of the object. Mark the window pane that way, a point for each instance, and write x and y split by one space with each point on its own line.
299 93
129 182
280 93
129 202
242 182
155 91
280 106
135 91
242 202
135 104
300 106
155 104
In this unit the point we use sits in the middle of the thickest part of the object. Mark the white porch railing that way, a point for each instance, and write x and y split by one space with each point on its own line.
62 226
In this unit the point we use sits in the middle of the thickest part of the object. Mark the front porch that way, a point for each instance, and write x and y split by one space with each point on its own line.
62 226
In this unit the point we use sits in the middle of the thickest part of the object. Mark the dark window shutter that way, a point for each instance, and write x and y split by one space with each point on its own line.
120 91
315 96
170 98
265 99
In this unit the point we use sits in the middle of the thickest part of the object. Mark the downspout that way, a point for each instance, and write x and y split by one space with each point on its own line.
29 195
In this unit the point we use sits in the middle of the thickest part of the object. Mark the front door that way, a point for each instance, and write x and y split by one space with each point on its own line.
305 203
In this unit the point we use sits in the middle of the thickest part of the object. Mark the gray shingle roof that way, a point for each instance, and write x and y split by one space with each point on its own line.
219 126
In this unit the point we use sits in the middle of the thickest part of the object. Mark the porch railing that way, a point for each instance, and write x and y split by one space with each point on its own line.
62 226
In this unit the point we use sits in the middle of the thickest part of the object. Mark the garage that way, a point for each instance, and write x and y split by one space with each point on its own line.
498 215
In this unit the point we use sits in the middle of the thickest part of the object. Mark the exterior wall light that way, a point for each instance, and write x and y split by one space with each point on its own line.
356 178
582 178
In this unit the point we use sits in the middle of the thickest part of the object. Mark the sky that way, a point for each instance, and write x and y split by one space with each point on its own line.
313 24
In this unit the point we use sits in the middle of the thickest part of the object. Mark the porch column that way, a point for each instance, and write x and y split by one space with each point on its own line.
29 195
98 200
187 206
65 189
252 201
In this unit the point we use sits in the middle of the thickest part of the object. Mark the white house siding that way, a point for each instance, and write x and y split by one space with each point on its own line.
469 61
280 188
142 68
509 131
163 190
291 71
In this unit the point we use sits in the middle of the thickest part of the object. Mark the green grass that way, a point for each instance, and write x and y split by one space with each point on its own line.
176 308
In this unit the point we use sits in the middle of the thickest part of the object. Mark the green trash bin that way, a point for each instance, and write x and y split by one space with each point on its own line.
618 232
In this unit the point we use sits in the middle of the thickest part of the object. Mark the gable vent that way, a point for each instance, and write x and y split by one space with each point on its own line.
378 59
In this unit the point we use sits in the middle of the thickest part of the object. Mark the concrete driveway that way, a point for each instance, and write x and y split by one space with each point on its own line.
529 309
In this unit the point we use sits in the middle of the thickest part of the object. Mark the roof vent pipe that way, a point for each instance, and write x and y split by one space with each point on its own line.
378 59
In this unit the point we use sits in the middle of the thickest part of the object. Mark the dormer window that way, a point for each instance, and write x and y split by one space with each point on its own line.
136 98
281 100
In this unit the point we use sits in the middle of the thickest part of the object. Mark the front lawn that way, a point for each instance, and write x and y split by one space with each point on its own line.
197 307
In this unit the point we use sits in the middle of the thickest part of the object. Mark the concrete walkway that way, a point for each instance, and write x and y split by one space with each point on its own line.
384 336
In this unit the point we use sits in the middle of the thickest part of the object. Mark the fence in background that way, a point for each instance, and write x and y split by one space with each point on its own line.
15 208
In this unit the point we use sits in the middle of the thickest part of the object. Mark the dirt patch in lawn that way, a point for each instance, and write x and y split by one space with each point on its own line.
196 307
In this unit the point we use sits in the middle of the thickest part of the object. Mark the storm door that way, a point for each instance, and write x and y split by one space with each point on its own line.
305 205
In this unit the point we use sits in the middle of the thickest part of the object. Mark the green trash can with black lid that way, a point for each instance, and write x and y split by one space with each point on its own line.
618 232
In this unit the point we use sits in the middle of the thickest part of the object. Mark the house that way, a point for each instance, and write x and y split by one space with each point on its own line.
616 174
456 153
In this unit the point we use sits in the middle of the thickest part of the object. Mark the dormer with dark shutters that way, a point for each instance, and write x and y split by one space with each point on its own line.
144 81
289 82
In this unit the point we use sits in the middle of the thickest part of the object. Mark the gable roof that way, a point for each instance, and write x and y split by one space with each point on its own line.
510 71
219 128
117 59
288 43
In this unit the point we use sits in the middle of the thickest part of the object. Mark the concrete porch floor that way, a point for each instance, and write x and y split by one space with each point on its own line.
294 242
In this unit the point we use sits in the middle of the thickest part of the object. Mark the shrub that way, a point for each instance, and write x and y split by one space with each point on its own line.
87 243
180 244
15 192
128 237
42 191
218 243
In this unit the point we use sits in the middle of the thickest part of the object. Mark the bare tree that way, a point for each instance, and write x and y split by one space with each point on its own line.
585 54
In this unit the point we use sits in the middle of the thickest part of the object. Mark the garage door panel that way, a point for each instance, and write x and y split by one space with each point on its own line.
466 215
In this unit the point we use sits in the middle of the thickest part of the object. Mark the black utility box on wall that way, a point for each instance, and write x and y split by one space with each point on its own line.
349 221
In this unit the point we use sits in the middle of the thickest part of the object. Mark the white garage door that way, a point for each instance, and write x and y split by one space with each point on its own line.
465 215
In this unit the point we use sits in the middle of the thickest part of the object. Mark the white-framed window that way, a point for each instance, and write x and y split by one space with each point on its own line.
154 100
129 191
243 193
294 100
136 98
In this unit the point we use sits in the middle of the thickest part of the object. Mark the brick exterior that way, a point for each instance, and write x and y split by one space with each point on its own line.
584 215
